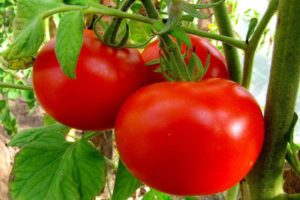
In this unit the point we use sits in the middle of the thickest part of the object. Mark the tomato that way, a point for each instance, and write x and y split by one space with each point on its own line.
190 138
217 67
105 77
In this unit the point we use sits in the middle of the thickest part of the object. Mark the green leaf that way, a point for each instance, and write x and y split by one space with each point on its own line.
29 29
138 34
29 11
2 105
7 119
136 7
187 18
291 133
153 62
201 71
251 28
125 183
69 42
52 168
181 36
189 9
28 42
28 136
153 194
158 26
192 64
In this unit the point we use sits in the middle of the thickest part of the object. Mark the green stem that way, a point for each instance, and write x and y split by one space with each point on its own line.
266 180
226 39
15 86
103 10
254 41
61 9
110 163
152 13
293 160
171 49
111 33
117 13
168 46
232 193
150 9
232 57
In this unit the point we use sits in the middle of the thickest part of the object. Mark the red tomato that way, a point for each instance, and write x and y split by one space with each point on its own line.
105 77
216 69
190 138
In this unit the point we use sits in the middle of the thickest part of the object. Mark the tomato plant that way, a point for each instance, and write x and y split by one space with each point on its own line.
105 77
186 138
217 64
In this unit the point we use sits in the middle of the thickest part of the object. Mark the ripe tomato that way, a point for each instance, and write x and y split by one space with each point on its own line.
217 67
190 138
105 77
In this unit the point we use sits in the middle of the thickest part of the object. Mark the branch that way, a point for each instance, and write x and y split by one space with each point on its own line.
231 53
254 41
226 39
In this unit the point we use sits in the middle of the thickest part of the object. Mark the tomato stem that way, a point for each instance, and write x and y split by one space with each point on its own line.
150 9
100 9
254 41
293 160
226 39
153 15
170 48
266 178
224 25
15 86
112 31
110 163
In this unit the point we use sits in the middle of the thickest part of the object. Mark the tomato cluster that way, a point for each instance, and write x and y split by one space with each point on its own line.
183 138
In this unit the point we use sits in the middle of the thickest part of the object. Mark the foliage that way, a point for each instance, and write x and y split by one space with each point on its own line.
48 164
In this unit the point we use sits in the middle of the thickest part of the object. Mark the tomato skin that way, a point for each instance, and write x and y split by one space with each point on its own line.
190 138
217 67
105 77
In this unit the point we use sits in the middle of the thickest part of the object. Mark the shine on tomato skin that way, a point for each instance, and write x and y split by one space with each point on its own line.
105 77
188 138
217 67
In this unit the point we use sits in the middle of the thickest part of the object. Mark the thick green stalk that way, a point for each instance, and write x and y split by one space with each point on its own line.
231 53
254 41
265 180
